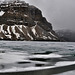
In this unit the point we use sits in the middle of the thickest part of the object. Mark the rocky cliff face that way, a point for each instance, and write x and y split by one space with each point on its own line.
21 21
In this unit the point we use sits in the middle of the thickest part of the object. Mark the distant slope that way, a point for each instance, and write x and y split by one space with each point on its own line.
68 35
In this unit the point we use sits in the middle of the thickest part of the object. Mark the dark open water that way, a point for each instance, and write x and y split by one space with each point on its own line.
52 58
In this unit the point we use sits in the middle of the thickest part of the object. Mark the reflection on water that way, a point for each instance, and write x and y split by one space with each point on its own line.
50 57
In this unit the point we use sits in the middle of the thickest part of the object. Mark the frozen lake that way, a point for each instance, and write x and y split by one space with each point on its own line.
36 58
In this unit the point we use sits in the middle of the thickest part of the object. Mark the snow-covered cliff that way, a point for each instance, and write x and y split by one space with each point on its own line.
21 21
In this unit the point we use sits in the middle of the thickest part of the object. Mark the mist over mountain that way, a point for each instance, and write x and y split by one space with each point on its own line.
67 35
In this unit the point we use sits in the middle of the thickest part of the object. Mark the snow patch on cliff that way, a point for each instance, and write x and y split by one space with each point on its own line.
34 30
14 31
1 13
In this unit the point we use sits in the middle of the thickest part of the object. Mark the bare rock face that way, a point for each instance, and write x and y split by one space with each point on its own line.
21 21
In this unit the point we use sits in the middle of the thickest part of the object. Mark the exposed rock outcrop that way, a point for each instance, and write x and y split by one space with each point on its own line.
21 21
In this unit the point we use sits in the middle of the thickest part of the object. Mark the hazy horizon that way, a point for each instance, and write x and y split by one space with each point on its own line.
60 13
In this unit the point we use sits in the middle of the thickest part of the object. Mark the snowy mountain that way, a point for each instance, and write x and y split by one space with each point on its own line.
21 21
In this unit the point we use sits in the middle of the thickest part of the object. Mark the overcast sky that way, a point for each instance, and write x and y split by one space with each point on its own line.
61 13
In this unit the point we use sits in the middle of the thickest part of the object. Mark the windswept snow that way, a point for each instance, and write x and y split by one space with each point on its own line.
30 36
8 36
1 13
14 31
9 30
2 29
34 30
52 34
45 37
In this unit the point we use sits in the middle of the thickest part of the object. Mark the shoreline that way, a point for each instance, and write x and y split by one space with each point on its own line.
42 70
